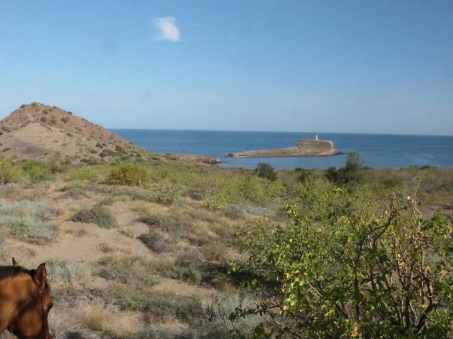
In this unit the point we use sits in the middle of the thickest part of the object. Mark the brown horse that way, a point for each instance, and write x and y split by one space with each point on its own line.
25 301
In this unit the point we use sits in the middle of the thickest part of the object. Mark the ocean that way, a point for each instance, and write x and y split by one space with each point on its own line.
376 150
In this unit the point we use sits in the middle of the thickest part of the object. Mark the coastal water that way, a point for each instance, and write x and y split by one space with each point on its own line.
376 150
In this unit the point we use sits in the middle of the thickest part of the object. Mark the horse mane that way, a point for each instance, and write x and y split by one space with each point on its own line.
11 271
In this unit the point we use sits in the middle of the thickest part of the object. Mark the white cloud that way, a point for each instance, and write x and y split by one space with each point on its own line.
168 29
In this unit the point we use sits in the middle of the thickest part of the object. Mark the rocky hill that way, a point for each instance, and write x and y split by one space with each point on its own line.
304 148
48 133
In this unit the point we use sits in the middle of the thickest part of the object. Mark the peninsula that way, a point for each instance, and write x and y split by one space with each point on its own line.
51 134
304 148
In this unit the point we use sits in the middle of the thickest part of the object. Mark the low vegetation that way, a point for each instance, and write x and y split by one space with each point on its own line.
178 250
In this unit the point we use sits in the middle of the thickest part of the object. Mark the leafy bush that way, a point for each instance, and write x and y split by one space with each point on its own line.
264 170
89 173
65 119
364 265
243 188
9 172
129 174
352 172
165 193
39 171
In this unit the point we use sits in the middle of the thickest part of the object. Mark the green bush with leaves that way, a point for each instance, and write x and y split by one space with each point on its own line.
364 265
352 172
39 171
9 172
264 170
129 174
243 188
165 192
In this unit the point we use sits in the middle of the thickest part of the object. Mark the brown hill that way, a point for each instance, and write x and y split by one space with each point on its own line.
48 133
304 148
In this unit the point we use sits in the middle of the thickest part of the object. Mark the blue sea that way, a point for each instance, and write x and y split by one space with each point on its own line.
376 150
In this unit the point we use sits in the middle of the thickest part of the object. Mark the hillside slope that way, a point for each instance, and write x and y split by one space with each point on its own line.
49 133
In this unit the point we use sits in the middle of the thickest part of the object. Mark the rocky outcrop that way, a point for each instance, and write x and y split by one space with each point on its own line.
304 148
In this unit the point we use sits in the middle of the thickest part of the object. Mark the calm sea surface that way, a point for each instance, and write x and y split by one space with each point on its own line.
376 150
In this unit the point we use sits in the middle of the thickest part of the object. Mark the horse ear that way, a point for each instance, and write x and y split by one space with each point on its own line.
40 276
15 264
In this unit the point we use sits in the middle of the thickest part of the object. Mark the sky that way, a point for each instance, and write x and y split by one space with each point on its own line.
355 66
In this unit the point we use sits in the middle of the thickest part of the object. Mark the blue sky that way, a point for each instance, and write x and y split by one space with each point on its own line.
285 65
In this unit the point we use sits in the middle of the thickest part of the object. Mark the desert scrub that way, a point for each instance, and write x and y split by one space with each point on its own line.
207 320
132 271
9 171
98 215
175 223
129 174
39 171
9 190
243 189
89 173
26 219
61 272
155 241
215 251
165 193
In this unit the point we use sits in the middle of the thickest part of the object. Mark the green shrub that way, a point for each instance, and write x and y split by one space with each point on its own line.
44 119
53 122
165 193
65 119
9 172
352 172
89 173
264 170
129 174
39 171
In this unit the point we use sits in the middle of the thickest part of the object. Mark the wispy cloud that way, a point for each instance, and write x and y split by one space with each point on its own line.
168 29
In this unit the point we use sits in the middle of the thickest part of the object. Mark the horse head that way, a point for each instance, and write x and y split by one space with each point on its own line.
25 302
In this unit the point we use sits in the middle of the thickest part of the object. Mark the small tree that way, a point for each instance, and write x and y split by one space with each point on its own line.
352 172
365 266
264 170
